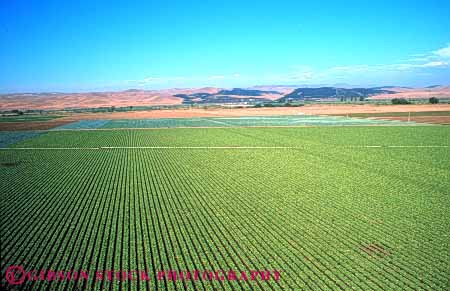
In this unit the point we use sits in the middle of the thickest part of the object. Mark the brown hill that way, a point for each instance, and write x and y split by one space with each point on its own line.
136 97
415 93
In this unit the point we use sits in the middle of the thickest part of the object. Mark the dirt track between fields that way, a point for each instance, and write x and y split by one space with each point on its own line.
420 119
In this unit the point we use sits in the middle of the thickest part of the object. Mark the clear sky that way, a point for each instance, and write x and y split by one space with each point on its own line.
109 45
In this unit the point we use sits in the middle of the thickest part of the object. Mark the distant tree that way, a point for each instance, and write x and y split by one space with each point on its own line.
18 112
113 108
400 101
433 100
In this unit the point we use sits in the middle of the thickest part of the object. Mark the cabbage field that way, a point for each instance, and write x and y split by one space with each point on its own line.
330 208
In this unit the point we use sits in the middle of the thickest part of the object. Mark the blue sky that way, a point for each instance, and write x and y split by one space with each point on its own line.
109 45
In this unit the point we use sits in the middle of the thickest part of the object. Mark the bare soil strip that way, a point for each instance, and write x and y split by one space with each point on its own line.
419 119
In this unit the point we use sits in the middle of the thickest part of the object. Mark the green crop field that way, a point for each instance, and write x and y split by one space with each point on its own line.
27 118
242 121
331 208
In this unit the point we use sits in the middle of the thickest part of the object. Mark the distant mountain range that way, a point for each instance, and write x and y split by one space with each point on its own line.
210 95
333 92
234 95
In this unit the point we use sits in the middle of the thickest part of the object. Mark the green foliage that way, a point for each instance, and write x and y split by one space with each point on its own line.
400 101
21 117
433 100
329 212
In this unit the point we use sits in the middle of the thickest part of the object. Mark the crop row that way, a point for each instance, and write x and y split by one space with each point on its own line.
302 136
329 217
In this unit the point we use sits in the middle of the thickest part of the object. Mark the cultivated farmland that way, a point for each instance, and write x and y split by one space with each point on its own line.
332 208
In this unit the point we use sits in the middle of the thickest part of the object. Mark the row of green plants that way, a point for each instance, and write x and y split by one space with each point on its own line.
329 215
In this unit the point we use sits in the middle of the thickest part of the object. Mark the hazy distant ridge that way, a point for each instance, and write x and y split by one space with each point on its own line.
333 92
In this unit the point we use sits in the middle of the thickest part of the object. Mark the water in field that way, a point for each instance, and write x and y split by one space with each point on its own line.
289 120
11 137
